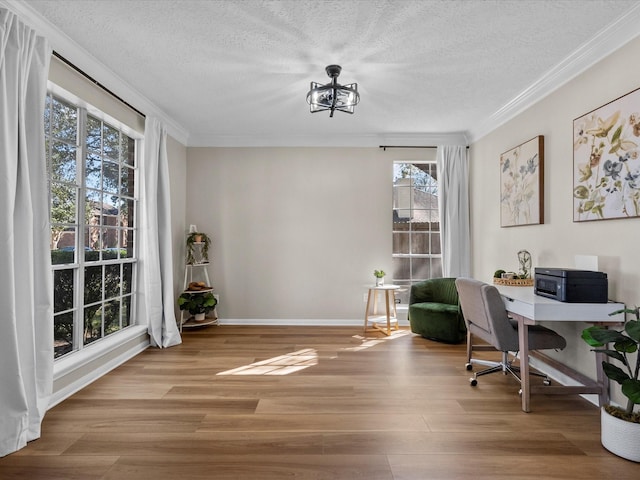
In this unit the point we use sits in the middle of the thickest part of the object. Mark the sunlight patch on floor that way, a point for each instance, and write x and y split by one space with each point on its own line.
368 342
281 365
305 358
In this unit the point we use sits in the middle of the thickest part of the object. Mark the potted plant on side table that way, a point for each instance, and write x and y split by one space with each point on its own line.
197 304
379 274
620 426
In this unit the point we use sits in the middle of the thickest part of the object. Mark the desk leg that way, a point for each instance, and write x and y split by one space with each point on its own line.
603 380
523 338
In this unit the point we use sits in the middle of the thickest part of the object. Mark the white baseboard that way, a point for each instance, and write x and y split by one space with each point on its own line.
309 322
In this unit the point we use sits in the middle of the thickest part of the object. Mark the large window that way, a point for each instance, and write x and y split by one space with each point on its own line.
416 225
92 172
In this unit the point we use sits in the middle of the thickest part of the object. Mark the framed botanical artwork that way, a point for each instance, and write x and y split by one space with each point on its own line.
522 184
606 167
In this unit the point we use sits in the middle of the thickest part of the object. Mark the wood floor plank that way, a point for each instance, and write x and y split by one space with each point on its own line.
263 403
521 467
254 467
361 422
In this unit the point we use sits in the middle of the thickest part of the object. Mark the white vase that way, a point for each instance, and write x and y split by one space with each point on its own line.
199 317
379 281
620 437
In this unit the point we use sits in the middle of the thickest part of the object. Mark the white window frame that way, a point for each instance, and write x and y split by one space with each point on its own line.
396 206
80 352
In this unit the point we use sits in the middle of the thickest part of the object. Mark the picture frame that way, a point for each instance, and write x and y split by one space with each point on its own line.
522 184
606 163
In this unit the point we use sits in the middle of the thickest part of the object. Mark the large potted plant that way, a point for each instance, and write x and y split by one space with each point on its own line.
198 244
620 426
197 304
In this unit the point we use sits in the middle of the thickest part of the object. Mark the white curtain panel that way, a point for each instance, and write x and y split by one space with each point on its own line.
453 201
26 285
156 300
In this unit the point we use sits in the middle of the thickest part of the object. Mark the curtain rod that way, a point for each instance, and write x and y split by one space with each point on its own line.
384 147
97 83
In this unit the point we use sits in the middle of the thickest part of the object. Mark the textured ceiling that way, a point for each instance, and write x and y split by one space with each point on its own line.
237 72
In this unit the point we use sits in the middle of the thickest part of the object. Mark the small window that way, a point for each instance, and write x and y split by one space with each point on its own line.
416 225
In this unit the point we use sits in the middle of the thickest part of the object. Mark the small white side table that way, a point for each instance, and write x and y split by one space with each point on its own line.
374 320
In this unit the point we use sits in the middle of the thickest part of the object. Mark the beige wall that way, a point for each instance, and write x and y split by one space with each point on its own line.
297 232
555 243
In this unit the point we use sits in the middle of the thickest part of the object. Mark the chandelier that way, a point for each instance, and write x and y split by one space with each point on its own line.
333 96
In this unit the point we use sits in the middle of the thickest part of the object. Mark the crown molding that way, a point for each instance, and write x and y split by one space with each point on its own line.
82 59
605 42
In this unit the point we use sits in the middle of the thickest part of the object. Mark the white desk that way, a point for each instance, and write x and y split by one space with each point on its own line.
527 308
371 316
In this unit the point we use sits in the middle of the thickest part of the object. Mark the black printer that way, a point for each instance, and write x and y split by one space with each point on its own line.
571 286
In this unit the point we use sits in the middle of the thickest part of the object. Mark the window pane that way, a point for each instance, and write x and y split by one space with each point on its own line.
93 205
436 267
127 272
111 317
111 142
435 243
63 203
111 175
63 162
129 156
93 171
92 284
94 127
401 269
63 247
62 334
126 209
64 121
420 242
128 245
400 242
126 311
63 292
92 324
127 176
111 281
420 269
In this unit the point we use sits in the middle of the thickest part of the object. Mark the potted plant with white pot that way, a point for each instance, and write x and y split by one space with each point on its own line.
197 304
379 274
198 244
620 426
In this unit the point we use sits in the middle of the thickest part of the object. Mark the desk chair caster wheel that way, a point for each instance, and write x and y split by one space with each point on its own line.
473 382
469 367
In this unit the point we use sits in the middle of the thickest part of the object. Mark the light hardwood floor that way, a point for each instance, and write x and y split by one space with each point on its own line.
312 403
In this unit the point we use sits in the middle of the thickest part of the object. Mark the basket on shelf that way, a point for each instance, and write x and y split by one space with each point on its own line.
514 282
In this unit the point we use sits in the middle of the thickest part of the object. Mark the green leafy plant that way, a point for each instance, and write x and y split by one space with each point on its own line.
198 238
379 273
197 302
625 343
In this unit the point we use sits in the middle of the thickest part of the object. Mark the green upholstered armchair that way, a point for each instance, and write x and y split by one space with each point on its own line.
434 310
